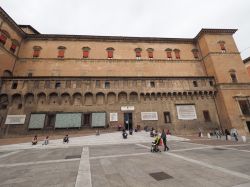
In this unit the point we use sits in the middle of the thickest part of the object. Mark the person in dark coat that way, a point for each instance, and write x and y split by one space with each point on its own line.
164 139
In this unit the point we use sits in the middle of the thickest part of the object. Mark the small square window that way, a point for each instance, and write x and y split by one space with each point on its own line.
97 84
195 84
211 83
107 85
57 85
152 84
14 85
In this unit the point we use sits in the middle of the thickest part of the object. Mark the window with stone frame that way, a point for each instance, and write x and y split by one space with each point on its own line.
177 53
169 53
61 51
110 52
138 53
206 116
85 52
107 84
150 53
195 84
97 83
167 117
68 84
36 51
244 106
152 84
233 76
222 46
3 36
195 53
14 45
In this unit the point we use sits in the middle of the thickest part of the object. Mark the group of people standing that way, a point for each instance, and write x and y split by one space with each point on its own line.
159 138
218 133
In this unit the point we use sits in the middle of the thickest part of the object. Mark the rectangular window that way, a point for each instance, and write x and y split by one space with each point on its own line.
195 84
167 118
245 107
57 85
61 53
97 84
36 53
206 115
68 84
47 84
85 54
107 85
14 85
152 84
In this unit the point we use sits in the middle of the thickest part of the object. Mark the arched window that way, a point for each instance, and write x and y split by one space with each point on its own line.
150 53
110 52
195 53
177 53
85 51
222 46
14 45
3 36
61 51
36 51
169 53
233 76
138 53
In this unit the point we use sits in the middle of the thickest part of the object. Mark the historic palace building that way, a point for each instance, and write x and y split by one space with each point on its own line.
187 85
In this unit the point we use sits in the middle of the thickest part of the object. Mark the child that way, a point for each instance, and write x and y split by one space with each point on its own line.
46 140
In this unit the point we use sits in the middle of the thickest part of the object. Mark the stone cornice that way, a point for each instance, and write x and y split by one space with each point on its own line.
214 31
12 23
233 86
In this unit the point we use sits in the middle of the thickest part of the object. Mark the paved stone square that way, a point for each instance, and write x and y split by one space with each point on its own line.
109 160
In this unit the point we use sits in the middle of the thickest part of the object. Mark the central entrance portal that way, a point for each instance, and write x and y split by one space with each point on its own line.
128 121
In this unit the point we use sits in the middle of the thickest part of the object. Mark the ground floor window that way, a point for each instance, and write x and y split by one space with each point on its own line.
167 117
245 107
206 115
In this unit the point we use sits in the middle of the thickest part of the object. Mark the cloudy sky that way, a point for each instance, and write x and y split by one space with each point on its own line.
145 18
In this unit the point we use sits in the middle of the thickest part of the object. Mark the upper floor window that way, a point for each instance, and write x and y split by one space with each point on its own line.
14 85
222 46
36 51
233 76
150 53
211 83
57 85
138 53
206 115
97 83
177 53
195 84
169 53
195 53
152 84
3 36
110 52
85 51
14 45
167 117
61 51
107 84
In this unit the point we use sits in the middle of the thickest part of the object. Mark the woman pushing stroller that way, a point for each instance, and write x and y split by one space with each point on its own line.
155 144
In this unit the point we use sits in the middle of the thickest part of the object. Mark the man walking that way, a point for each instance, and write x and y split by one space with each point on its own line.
164 139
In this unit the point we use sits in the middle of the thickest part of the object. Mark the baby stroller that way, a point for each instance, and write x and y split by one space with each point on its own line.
155 145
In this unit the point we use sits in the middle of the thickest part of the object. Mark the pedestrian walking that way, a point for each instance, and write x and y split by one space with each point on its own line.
164 139
46 140
235 134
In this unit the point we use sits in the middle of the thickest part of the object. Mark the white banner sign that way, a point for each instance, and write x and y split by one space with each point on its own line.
15 119
113 117
127 108
149 116
186 112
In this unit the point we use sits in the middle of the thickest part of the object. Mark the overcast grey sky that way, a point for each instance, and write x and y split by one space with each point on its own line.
145 18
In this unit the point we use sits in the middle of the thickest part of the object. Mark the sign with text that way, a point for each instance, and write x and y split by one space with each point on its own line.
149 116
15 119
127 108
186 112
113 117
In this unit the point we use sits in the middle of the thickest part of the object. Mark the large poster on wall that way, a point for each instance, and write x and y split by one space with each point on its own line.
186 112
149 116
68 120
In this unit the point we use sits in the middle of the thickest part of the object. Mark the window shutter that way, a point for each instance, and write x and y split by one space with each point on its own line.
169 55
85 54
110 54
36 53
150 54
138 53
177 55
222 46
3 39
61 53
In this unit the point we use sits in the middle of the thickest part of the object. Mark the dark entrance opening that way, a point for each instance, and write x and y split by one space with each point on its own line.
50 122
128 121
248 126
86 120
